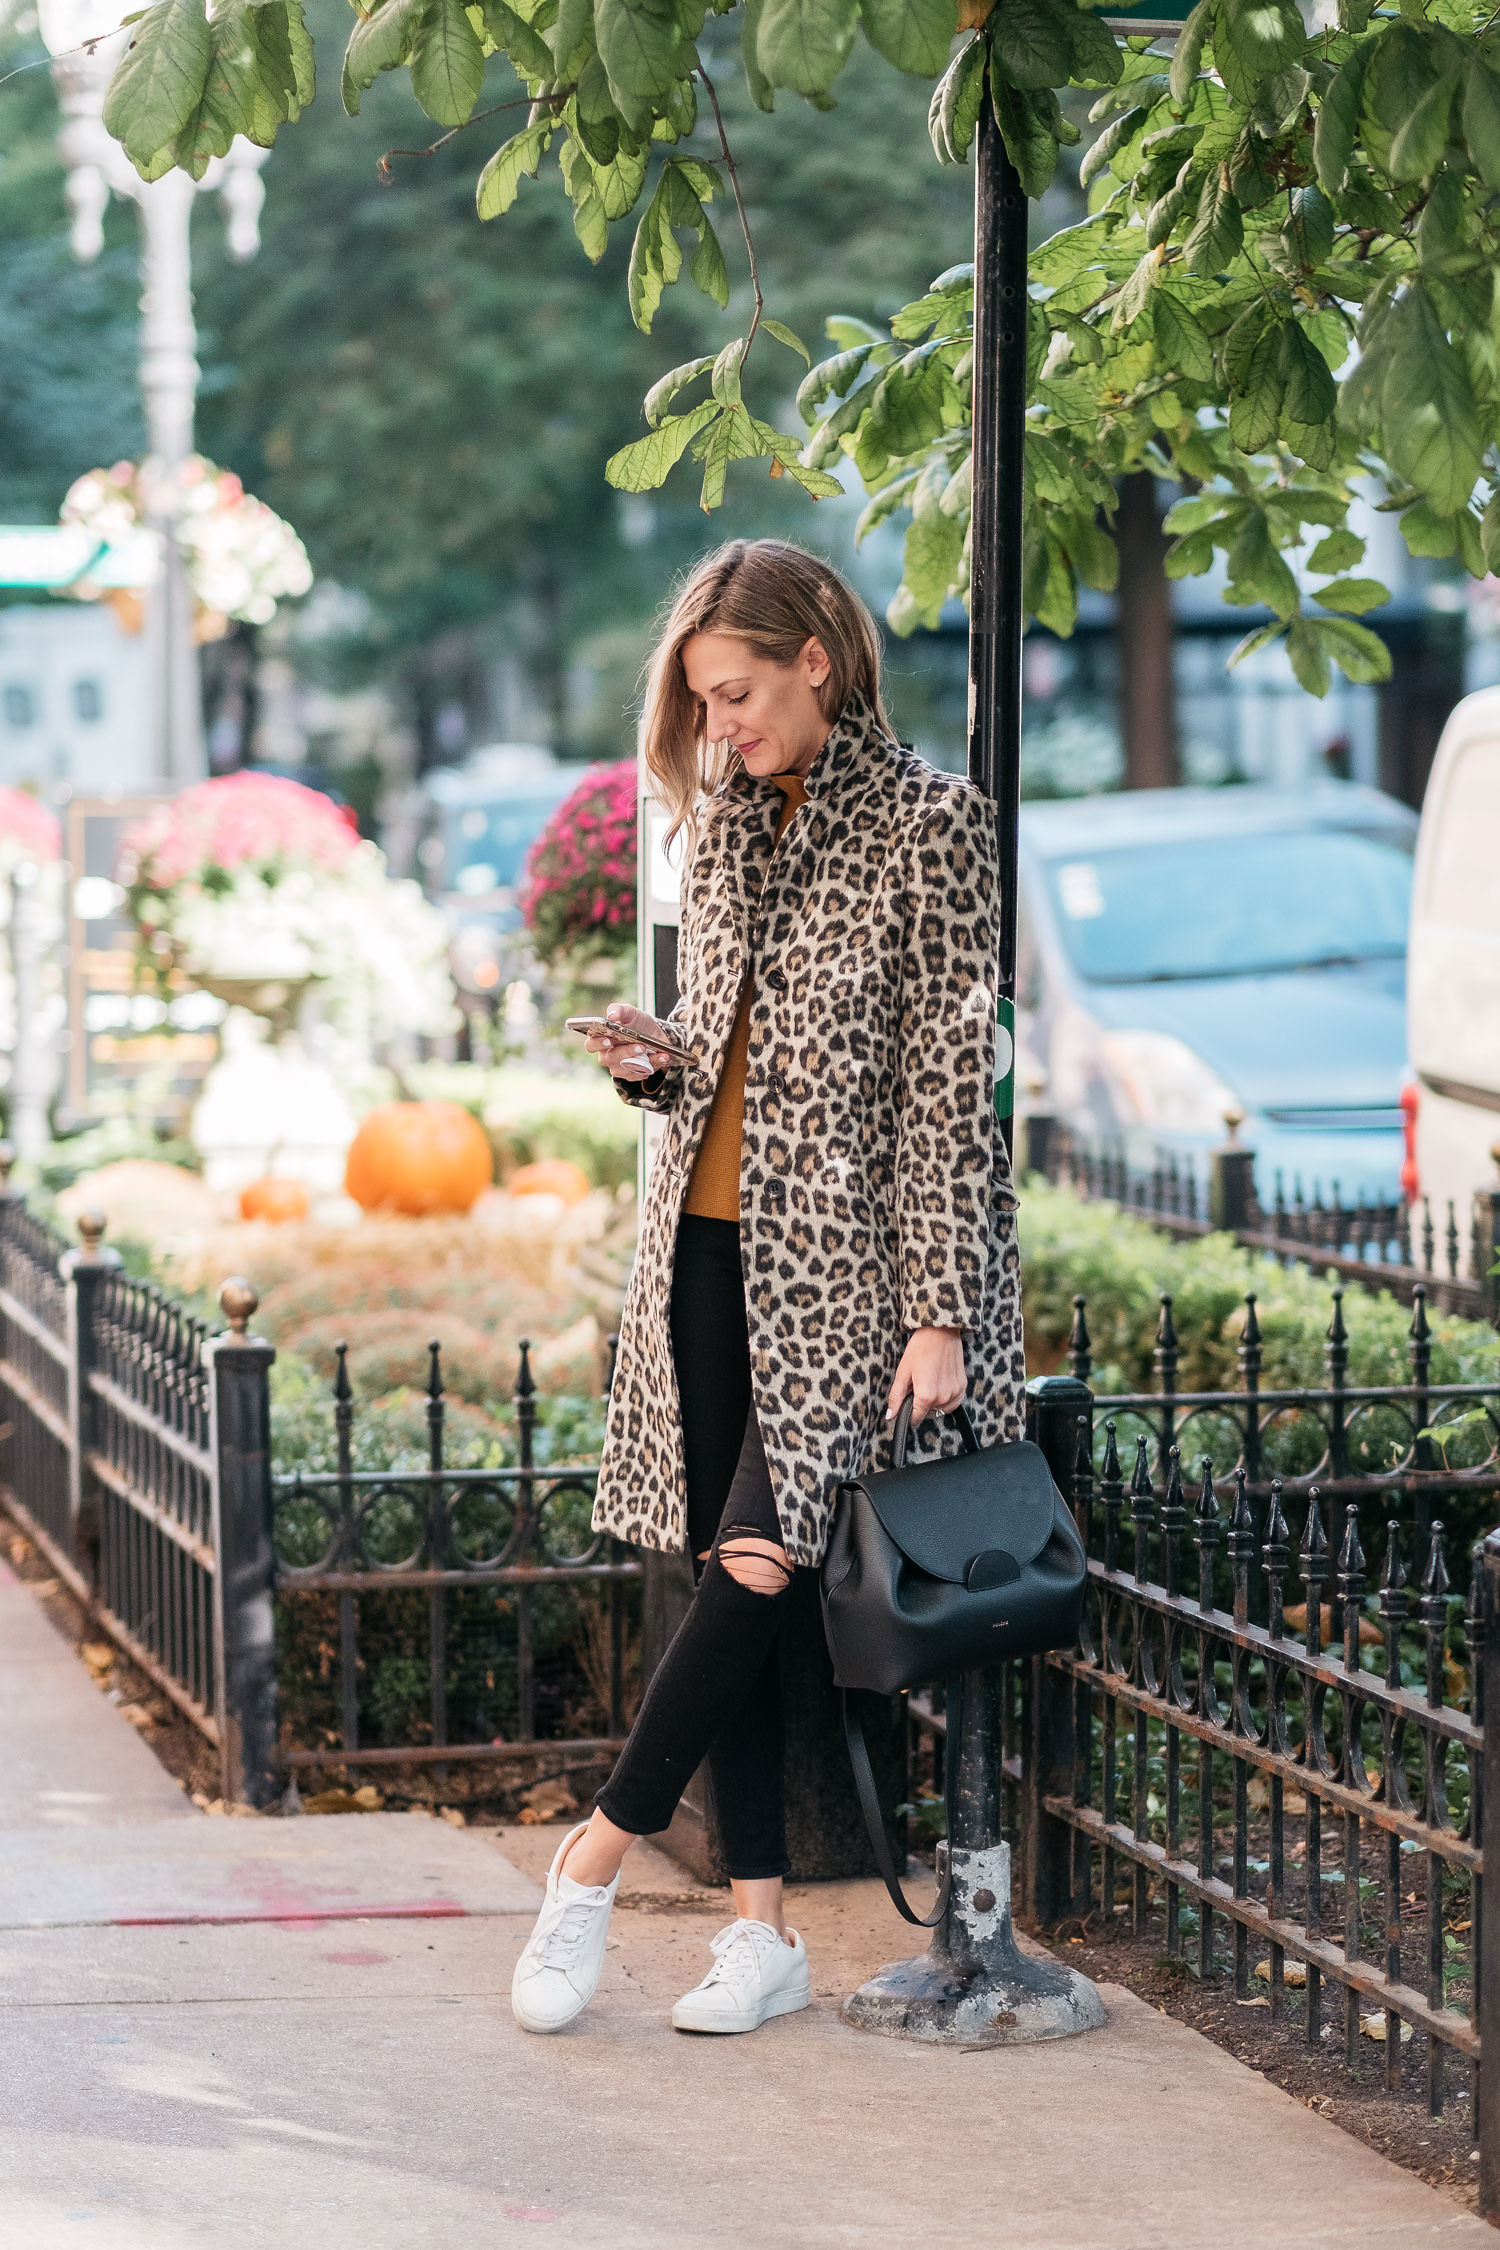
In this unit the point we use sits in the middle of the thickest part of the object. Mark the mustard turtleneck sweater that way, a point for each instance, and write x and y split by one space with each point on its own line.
714 1189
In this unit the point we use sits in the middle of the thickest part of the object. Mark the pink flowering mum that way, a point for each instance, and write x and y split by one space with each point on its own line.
244 819
28 827
580 880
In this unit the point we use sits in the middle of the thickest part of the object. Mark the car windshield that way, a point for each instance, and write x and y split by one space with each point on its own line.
1227 906
487 844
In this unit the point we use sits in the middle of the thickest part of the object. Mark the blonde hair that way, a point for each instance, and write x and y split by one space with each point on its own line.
777 597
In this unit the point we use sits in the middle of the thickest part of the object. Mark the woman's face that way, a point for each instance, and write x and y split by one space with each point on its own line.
768 712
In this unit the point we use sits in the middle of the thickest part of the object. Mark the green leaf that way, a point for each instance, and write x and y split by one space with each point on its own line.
787 336
1360 654
158 81
642 49
957 99
726 374
1337 128
932 556
1030 40
1187 55
620 183
1182 345
906 405
1252 644
1309 658
1218 232
1308 233
1097 56
1258 572
1428 533
520 157
832 377
734 437
1418 147
761 92
662 393
378 42
1309 395
228 103
447 62
1434 435
1355 595
648 461
1190 557
1338 551
708 270
804 44
1481 116
1030 139
572 36
1489 533
1108 145
304 68
525 48
915 35
785 451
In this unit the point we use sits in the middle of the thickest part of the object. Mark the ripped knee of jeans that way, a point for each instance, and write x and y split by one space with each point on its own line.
753 1562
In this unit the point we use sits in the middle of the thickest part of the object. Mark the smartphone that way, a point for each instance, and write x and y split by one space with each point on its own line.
665 1045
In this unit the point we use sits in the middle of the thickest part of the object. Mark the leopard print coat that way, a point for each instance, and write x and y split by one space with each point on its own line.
875 1192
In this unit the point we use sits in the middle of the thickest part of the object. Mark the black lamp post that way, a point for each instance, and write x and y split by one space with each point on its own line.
974 1985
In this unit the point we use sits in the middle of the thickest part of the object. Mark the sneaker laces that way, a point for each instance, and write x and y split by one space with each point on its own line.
558 1937
739 1951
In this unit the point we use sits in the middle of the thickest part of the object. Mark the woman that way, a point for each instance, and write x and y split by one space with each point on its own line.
829 1224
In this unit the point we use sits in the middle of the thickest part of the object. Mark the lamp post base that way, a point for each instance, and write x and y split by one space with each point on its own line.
974 1986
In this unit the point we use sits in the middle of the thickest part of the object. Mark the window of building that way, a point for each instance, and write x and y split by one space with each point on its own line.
88 701
19 704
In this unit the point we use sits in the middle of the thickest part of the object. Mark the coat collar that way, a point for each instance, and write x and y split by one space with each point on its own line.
841 767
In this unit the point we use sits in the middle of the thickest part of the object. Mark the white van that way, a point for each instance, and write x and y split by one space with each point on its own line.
1453 968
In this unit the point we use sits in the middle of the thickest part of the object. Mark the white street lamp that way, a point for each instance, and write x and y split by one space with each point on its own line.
85 40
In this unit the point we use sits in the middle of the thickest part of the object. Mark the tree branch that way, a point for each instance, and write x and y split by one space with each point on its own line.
527 101
739 203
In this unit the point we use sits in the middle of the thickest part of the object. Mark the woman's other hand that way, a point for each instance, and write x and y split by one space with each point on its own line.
623 1043
932 1370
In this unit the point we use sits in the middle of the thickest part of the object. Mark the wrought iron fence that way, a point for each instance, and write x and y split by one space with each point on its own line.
1384 1243
460 1578
1290 1791
133 1454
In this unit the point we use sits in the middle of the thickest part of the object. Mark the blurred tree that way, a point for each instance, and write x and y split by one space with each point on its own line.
432 402
68 393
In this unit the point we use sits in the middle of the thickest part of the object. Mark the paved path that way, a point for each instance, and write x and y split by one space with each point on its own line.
342 2069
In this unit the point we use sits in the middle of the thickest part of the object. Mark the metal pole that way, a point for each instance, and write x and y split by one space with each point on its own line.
169 386
973 1984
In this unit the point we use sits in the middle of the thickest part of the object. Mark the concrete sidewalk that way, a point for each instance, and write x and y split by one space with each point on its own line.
334 2063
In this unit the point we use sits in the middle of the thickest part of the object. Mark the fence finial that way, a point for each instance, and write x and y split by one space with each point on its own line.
91 1226
237 1302
1234 1118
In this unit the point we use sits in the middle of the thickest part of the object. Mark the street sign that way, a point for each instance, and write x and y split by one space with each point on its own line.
53 556
1163 17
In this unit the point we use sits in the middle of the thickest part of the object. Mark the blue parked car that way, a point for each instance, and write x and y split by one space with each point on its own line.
1184 952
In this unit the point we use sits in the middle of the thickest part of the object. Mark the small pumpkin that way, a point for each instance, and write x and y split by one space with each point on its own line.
418 1158
275 1200
550 1175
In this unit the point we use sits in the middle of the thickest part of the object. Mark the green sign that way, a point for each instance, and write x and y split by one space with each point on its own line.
1005 1060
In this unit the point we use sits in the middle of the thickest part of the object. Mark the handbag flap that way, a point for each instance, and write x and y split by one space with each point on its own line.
944 1515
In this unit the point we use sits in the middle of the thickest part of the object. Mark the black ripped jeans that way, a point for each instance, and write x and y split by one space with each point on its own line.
717 1691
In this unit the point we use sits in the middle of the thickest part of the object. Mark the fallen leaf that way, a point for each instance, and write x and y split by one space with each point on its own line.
137 1714
366 1799
1293 1973
1258 1796
548 1800
453 1816
1374 2027
1260 2001
97 1655
1332 1626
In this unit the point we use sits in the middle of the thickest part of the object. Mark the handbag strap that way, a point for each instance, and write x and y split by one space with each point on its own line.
869 1805
902 1431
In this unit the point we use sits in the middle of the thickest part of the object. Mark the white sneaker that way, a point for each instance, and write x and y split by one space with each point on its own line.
559 1970
755 1975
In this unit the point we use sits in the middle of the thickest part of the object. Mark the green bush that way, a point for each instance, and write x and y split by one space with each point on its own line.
1122 1266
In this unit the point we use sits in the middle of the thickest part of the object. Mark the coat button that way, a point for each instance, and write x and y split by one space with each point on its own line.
776 979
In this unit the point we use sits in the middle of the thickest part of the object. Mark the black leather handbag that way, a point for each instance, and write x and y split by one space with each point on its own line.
935 1568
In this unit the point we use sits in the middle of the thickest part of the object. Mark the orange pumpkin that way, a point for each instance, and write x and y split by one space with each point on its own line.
550 1175
418 1157
276 1200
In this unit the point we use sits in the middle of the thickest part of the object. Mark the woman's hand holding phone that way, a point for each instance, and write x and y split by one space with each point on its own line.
623 1043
